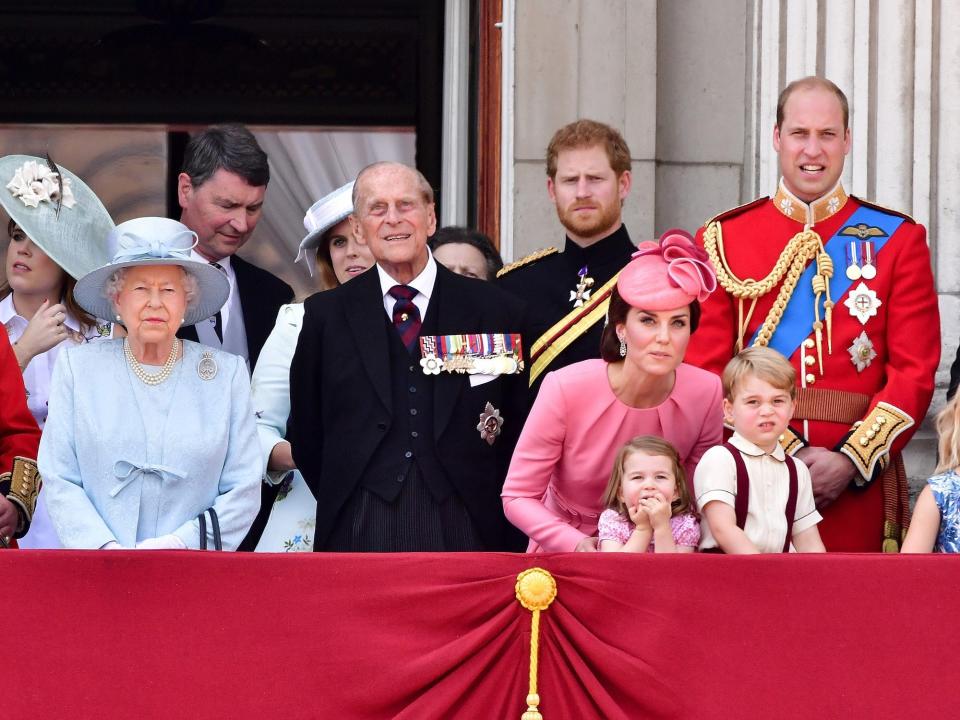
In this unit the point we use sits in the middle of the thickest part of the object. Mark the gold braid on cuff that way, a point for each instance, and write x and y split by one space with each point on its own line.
791 441
869 444
24 487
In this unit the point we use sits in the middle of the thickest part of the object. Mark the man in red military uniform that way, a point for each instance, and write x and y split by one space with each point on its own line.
844 290
19 438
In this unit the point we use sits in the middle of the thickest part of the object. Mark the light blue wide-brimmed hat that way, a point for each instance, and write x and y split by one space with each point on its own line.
71 226
323 215
154 241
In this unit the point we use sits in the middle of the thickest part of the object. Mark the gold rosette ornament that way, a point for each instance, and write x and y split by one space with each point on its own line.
535 589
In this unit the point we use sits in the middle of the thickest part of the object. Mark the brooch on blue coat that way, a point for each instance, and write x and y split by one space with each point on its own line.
207 367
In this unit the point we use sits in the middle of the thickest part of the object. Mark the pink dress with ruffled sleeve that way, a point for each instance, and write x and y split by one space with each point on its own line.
563 459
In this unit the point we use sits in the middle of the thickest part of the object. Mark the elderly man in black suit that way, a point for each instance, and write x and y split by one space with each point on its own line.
221 189
407 389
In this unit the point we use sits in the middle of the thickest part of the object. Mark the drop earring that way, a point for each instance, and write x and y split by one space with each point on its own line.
623 347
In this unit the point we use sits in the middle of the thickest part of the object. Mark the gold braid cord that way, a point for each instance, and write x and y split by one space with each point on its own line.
802 248
535 590
24 488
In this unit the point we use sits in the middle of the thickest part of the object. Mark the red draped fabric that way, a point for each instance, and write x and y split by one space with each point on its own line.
202 635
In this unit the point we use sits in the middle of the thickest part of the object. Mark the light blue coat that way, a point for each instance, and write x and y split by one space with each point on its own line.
124 461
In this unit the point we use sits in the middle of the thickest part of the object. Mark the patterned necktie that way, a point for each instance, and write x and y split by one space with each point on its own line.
406 315
217 320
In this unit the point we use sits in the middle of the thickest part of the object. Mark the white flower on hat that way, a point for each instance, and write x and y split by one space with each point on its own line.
34 183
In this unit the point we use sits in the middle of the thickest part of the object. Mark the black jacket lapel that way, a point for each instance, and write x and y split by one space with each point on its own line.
445 319
364 315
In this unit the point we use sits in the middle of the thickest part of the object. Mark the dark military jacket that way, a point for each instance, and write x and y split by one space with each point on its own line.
546 280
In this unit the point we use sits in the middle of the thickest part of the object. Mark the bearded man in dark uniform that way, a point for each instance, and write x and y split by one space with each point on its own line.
844 290
567 293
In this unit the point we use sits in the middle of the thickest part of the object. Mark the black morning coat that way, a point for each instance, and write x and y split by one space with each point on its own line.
340 397
546 286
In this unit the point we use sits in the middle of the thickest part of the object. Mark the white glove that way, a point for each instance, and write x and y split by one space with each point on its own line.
164 542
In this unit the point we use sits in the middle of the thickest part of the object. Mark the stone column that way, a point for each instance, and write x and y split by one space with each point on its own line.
900 72
575 59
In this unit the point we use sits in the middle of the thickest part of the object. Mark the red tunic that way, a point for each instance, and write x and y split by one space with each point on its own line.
19 434
905 335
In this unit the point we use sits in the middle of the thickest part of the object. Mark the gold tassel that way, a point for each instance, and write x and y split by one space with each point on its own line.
825 268
821 287
535 590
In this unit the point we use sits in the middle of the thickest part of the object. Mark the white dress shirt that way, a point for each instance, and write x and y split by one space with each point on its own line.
231 316
422 283
766 526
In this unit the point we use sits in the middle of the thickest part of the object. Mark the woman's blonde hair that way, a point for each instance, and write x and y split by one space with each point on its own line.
948 432
648 445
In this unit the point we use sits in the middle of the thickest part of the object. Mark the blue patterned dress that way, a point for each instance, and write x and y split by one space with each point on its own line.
946 493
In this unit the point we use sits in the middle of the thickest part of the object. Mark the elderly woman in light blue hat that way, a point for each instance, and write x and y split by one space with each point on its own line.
57 232
331 249
147 434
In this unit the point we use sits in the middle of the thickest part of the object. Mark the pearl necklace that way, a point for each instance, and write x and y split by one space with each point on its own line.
144 376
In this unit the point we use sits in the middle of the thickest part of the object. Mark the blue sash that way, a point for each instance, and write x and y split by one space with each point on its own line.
796 323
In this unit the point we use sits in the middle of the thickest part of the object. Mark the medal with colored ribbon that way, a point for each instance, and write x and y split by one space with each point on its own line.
581 293
860 260
473 353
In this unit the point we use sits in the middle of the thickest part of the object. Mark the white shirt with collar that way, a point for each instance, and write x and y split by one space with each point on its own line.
36 376
422 283
715 479
36 380
231 315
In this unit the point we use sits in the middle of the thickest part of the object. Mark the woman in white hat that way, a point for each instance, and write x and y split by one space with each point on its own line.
331 247
57 232
147 433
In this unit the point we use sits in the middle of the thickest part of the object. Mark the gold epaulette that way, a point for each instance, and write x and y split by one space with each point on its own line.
532 257
881 208
737 210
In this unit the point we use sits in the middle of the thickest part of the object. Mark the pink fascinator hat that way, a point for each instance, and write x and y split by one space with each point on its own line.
668 274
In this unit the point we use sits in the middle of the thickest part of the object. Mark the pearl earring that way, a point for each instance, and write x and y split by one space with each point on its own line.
118 317
623 347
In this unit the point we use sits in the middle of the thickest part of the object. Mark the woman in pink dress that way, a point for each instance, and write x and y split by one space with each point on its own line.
587 411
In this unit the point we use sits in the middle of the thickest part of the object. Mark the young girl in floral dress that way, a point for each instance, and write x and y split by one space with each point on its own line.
647 500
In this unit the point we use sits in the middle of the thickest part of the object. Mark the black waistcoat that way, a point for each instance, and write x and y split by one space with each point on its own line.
409 438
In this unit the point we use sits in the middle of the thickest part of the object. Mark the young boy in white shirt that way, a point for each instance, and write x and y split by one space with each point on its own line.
755 498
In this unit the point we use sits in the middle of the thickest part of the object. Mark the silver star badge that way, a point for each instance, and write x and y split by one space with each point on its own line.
862 352
490 424
862 302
